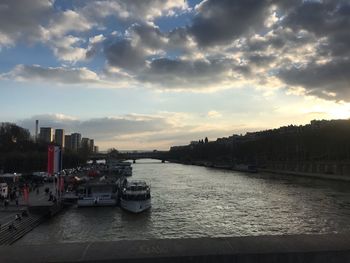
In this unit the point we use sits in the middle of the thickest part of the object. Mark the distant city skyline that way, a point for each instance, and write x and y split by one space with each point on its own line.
152 74
58 136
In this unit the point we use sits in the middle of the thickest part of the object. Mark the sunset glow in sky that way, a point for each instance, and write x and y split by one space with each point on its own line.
149 74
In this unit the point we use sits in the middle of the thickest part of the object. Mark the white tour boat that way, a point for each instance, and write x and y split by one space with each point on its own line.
135 196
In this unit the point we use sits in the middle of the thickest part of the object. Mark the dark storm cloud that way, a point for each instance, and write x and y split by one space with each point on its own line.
221 21
330 80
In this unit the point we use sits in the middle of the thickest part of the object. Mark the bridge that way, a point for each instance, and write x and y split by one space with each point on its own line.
134 155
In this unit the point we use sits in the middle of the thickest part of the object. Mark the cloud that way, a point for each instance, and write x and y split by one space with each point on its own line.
68 21
185 74
330 80
68 48
140 42
329 19
136 10
214 114
271 44
123 54
148 36
222 21
107 128
58 75
19 20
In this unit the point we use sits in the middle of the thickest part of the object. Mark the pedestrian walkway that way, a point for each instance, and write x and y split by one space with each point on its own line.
34 199
38 201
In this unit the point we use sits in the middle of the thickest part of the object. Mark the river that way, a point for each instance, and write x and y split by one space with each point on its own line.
191 201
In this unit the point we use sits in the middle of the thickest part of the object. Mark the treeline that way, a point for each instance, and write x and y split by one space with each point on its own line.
19 153
317 141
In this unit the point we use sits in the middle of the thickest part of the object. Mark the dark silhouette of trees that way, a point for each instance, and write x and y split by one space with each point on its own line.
318 141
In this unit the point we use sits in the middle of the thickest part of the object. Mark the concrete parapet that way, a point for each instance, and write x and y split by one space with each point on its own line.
292 248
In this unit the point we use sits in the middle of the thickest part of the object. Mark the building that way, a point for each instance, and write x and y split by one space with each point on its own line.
67 142
91 145
85 143
95 149
59 137
75 141
36 130
46 134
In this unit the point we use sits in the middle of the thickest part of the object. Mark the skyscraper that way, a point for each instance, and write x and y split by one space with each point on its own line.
46 134
36 130
95 149
76 141
68 142
85 142
59 137
91 146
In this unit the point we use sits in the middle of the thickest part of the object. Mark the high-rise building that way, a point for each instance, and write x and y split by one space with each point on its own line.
36 130
95 149
91 145
46 134
76 141
59 137
68 142
85 143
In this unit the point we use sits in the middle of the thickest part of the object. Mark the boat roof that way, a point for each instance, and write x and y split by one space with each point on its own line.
137 183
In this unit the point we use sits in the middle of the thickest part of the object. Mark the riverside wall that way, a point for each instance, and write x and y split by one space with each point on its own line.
322 170
259 249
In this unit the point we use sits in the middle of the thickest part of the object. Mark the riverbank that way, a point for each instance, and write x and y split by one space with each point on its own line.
268 171
294 248
310 175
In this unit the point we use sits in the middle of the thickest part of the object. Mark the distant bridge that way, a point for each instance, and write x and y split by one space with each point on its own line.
158 155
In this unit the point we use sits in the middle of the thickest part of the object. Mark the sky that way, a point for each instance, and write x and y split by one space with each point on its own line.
149 74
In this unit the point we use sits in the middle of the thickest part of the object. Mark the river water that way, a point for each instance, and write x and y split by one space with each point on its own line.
191 201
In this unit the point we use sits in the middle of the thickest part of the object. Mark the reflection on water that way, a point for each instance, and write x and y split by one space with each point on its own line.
191 201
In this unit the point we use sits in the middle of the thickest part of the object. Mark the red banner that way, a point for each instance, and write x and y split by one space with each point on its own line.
62 184
26 194
50 159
